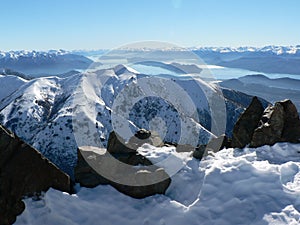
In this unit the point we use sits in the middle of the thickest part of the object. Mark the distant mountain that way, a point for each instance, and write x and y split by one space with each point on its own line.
37 63
270 89
271 49
15 73
41 111
269 59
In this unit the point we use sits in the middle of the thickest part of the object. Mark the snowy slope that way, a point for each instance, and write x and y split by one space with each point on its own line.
9 84
55 115
233 187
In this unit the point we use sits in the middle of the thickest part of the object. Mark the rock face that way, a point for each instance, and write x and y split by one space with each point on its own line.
257 127
270 126
118 166
279 123
291 130
24 172
117 145
246 124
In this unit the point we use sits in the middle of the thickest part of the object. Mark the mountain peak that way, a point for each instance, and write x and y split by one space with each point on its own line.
121 69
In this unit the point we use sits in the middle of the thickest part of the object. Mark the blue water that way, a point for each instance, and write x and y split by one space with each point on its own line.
219 73
230 73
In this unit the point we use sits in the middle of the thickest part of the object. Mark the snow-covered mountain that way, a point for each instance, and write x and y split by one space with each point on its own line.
272 49
270 89
269 59
55 114
41 63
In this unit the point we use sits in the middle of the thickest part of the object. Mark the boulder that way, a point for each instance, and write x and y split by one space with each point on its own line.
279 123
246 124
270 126
96 166
116 144
143 134
122 167
24 172
291 130
126 152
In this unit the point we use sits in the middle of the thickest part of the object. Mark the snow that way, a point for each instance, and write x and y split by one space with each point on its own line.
11 84
43 111
34 54
233 186
277 50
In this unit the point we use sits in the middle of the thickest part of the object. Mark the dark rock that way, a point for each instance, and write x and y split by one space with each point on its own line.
270 126
117 166
246 124
279 123
85 174
117 145
143 134
96 166
291 130
199 152
126 152
24 172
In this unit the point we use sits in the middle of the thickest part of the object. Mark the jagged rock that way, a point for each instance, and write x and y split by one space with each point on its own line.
291 130
270 126
199 152
24 172
246 124
279 123
143 134
117 145
214 145
120 166
96 166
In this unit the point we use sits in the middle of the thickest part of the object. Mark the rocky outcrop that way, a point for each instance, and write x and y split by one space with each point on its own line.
279 123
24 172
257 127
246 124
291 129
116 144
270 126
122 167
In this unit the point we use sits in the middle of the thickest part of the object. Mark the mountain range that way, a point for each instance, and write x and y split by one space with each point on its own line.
270 89
43 63
41 111
268 59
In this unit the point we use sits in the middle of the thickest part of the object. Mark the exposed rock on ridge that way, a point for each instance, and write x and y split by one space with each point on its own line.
122 167
24 172
277 123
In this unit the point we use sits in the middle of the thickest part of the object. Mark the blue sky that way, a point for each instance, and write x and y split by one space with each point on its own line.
95 24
